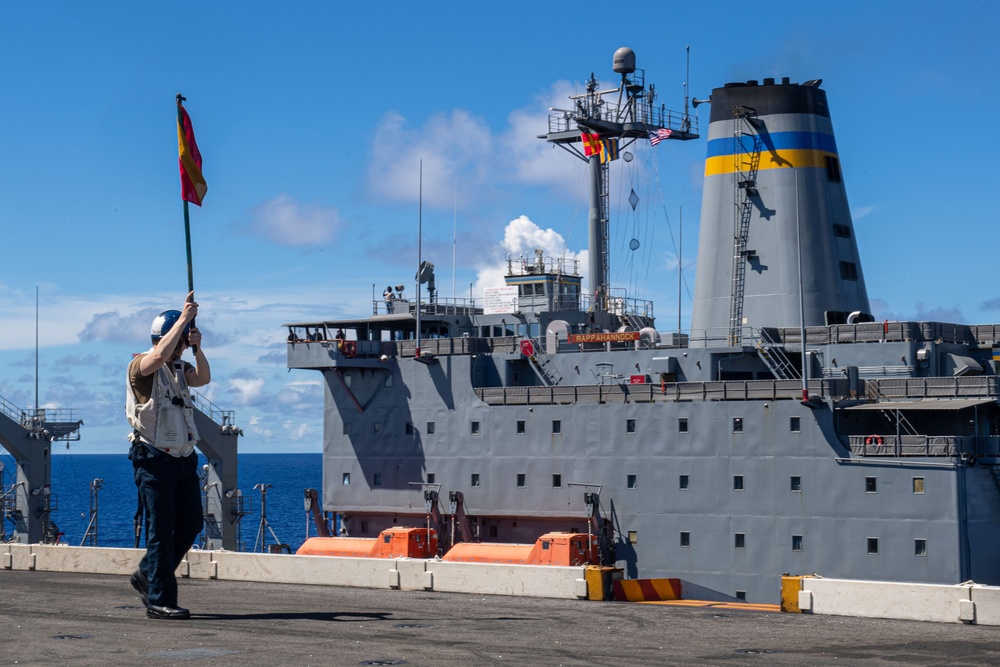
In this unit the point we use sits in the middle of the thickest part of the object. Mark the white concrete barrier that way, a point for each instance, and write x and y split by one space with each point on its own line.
399 573
919 602
940 603
529 580
987 604
51 558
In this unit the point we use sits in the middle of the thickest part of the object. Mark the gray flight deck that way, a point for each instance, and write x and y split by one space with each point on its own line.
49 618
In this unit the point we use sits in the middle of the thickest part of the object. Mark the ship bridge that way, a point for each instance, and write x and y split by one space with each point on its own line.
545 283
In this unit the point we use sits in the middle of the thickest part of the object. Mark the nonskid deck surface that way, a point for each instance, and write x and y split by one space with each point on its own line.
81 619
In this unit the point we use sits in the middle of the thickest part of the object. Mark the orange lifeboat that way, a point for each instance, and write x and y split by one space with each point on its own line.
391 543
568 549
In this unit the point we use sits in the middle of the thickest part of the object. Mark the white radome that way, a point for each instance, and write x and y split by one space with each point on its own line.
384 357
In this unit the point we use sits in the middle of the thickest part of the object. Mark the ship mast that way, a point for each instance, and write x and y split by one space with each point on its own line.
600 124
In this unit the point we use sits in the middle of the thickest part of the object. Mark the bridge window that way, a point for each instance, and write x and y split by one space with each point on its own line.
795 483
521 478
684 482
682 425
377 428
474 427
741 541
873 545
347 428
737 482
430 428
474 481
377 479
556 426
630 426
346 479
741 596
842 231
918 484
795 424
431 477
871 484
520 427
633 537
796 543
556 481
409 428
920 547
631 481
685 538
737 424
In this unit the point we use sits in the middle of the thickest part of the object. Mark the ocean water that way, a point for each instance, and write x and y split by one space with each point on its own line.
288 474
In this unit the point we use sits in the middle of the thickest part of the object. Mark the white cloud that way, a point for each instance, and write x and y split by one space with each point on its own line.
246 391
521 238
298 430
464 159
862 212
114 327
287 222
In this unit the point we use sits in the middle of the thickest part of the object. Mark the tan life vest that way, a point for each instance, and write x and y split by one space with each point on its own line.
166 420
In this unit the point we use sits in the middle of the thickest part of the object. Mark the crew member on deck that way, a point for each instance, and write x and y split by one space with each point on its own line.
388 296
164 462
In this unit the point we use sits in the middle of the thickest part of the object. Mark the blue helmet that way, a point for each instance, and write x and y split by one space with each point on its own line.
164 322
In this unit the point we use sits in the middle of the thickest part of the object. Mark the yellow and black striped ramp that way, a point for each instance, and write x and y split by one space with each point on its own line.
646 590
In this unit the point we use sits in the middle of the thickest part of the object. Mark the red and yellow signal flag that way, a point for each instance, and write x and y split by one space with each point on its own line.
193 185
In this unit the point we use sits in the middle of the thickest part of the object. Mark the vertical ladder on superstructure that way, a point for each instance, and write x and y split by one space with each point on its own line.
605 225
746 160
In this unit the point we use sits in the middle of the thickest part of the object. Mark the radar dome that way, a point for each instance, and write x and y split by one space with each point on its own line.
624 60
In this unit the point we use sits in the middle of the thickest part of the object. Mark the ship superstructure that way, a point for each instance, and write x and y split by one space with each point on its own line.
788 432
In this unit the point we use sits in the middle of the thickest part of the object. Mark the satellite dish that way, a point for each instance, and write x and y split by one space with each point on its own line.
633 244
627 156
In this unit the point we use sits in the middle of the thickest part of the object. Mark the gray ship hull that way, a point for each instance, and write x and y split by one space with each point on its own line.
786 433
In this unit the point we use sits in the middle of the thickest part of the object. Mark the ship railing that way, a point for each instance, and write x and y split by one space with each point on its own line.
214 412
981 447
441 306
967 386
877 332
527 266
865 332
12 411
444 346
31 418
733 390
718 337
643 113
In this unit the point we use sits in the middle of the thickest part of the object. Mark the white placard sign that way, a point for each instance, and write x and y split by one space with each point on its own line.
499 300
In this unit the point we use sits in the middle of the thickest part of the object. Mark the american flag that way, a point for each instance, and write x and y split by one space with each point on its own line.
659 135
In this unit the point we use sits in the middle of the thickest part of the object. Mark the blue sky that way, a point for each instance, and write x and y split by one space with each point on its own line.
313 118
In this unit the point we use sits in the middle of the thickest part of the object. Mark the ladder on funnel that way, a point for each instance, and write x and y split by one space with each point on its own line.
746 160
